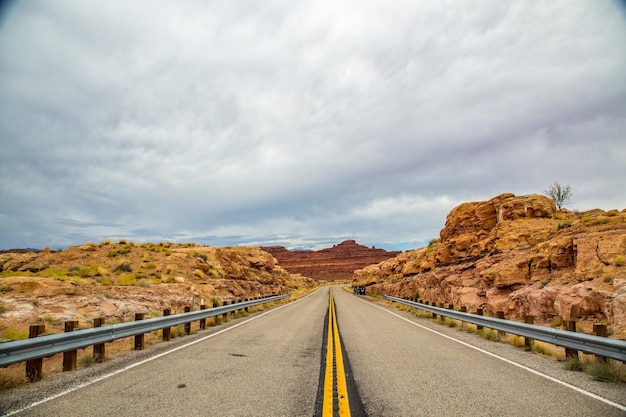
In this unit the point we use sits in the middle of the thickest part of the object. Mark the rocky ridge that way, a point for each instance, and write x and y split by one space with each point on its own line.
520 255
336 263
117 280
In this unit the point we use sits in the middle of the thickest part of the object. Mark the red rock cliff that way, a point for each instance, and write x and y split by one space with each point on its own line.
336 263
521 256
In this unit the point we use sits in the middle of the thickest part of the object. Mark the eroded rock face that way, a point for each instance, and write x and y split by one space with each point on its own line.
336 263
521 256
117 280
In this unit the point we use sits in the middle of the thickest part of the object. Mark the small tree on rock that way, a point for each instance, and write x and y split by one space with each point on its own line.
561 194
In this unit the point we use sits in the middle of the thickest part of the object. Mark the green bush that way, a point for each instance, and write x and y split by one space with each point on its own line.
608 371
573 364
14 334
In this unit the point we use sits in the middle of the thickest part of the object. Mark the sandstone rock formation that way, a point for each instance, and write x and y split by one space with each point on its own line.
117 280
336 263
521 256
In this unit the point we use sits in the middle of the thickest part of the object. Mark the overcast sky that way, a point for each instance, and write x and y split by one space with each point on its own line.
300 123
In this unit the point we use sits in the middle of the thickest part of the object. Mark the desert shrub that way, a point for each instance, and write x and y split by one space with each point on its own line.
127 280
608 371
612 213
14 334
112 253
573 364
123 267
492 336
87 360
557 322
620 260
5 288
12 378
104 280
541 348
125 249
564 225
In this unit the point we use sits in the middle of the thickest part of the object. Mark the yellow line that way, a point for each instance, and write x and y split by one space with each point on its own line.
327 408
342 388
337 359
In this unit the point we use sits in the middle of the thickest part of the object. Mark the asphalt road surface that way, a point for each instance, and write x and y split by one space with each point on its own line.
272 364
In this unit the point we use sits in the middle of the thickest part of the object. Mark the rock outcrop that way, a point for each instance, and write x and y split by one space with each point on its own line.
519 255
117 280
336 263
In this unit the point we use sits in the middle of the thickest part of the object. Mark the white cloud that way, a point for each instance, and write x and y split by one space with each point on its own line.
300 122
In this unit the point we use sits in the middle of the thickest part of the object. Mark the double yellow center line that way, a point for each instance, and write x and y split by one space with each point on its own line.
335 387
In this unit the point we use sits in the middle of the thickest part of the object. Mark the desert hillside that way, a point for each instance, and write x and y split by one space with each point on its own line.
520 255
336 263
118 279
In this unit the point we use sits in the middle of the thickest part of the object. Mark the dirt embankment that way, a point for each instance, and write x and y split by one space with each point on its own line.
115 280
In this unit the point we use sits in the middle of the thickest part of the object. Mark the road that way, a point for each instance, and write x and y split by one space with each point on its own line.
273 363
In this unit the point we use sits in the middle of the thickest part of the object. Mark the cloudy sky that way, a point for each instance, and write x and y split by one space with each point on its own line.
302 123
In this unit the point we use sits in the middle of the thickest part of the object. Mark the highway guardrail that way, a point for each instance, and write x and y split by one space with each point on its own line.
45 346
601 346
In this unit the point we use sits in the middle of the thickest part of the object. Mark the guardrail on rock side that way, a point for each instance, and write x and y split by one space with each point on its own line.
40 347
597 345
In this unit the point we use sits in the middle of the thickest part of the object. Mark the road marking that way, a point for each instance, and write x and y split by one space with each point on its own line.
558 381
151 358
335 376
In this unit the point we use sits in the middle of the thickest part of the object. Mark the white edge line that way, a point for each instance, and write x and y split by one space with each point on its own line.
151 358
565 384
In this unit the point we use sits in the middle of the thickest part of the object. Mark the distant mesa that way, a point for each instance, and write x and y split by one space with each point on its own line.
336 263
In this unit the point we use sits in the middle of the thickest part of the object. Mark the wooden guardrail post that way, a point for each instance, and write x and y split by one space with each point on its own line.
528 340
140 338
225 315
34 366
463 310
98 349
602 331
167 331
69 358
188 324
500 315
202 321
571 326
479 311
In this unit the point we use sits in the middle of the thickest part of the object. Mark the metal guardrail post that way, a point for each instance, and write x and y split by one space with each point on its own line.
34 366
69 358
